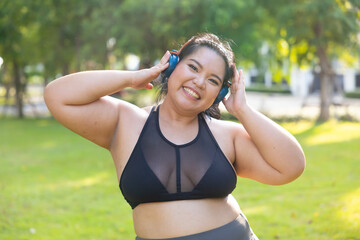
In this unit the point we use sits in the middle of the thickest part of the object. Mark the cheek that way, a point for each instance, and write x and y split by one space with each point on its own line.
215 89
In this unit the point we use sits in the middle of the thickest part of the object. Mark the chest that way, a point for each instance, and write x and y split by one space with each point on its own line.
174 144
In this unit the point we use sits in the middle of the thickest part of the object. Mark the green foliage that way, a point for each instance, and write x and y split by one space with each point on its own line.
68 36
317 32
56 185
355 94
305 25
273 89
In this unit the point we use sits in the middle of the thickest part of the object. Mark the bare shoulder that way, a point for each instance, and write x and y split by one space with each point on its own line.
230 128
147 109
131 122
133 115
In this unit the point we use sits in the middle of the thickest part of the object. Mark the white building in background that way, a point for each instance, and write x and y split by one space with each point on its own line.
304 82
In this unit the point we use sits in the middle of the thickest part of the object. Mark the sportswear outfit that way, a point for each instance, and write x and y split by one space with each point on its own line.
159 170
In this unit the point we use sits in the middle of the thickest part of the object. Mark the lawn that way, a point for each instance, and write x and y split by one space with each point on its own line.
56 185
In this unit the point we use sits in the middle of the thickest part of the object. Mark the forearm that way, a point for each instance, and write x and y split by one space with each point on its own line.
85 87
276 146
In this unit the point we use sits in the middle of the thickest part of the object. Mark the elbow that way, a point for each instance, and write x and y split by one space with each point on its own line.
48 95
295 170
51 96
299 165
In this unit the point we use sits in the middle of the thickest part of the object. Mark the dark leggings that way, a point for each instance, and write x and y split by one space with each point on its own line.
238 229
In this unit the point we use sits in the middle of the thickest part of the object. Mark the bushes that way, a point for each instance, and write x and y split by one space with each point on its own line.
273 89
355 94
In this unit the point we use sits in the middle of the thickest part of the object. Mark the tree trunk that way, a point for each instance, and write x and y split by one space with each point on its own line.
324 98
326 73
19 90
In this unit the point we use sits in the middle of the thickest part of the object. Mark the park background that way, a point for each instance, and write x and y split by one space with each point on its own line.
56 185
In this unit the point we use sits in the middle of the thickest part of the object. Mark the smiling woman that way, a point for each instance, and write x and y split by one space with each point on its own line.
211 53
177 163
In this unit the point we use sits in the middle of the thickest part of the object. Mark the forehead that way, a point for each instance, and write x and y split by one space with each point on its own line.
209 59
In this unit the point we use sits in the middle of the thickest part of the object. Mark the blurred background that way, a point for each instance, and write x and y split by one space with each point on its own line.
301 61
306 49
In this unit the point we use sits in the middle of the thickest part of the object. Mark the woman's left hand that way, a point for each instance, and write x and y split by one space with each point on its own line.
236 102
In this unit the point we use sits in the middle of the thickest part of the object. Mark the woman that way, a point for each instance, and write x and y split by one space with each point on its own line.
176 163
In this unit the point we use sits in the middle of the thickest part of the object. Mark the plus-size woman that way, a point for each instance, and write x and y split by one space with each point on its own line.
176 163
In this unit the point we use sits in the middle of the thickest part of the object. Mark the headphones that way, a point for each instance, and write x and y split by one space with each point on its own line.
174 59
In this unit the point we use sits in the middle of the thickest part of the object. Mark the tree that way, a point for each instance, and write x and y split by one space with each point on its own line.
15 39
149 27
317 29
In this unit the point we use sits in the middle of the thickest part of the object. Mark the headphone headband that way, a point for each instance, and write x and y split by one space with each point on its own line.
174 59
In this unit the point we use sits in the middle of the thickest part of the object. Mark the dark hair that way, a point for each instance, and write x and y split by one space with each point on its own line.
213 42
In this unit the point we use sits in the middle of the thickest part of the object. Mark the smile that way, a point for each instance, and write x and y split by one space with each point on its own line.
191 93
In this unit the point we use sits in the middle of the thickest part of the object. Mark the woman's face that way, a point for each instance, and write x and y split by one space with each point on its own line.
197 80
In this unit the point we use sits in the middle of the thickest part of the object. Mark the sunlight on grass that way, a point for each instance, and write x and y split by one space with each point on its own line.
298 127
350 212
85 182
332 133
329 132
48 144
89 181
256 210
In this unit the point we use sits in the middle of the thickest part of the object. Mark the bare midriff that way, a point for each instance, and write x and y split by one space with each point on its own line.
185 217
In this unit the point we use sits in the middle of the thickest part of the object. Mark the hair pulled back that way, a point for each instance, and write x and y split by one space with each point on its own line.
216 44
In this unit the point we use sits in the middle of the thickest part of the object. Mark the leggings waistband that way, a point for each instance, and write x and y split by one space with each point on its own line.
237 229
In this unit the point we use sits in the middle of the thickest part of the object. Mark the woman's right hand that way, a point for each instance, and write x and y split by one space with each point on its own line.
143 77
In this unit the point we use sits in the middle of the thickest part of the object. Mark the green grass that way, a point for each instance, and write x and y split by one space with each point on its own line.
56 185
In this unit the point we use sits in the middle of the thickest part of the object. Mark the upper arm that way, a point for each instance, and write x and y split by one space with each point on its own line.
95 121
249 163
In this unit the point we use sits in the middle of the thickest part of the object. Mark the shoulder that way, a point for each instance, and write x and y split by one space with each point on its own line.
132 114
147 109
131 121
230 128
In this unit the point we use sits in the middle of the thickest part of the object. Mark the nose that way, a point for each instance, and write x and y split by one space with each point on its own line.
199 82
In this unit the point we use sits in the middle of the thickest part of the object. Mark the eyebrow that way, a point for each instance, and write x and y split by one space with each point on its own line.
201 66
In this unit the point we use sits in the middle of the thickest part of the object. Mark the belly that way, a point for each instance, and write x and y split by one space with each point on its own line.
179 218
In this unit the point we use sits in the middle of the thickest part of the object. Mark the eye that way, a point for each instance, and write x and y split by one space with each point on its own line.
193 67
214 81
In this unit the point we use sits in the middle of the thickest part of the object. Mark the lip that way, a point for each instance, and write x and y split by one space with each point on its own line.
190 96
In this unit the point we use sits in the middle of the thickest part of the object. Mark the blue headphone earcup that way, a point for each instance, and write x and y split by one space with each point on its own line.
221 94
173 60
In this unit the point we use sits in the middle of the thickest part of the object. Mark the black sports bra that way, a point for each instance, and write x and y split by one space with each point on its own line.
159 170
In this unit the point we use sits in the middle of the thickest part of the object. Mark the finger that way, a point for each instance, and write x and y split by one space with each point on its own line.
241 74
149 86
242 79
165 58
157 69
163 67
236 80
236 72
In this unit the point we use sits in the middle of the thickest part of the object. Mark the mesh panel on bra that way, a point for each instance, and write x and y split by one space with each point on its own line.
178 167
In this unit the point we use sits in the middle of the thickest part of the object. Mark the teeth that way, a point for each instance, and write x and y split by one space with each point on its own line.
192 93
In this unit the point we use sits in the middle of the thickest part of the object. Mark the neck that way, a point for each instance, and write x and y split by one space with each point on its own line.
171 113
